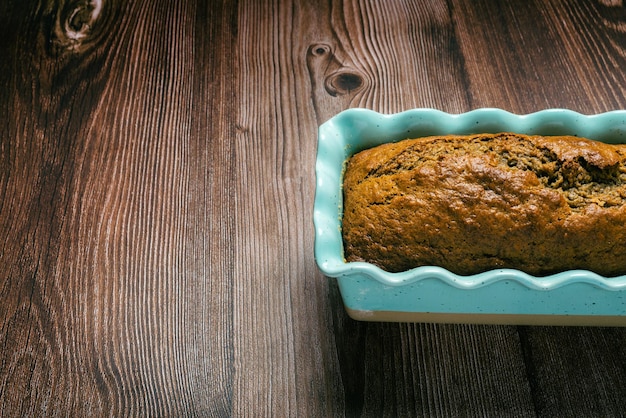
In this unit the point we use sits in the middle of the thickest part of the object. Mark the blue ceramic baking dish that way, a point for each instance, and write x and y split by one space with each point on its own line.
431 293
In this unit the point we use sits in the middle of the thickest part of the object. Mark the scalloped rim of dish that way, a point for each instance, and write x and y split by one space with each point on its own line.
355 129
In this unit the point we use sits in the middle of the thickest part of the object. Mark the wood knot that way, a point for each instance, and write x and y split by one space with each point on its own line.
320 50
343 82
75 23
79 23
332 72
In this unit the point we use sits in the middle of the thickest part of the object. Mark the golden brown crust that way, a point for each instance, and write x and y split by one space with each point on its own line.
478 202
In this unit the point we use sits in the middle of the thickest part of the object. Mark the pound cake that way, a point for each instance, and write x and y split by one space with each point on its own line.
540 204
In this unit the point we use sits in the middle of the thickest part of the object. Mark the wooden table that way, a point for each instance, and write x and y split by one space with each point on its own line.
156 191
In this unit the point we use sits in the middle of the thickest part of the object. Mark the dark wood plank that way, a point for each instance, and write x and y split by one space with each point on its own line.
284 347
117 184
44 81
576 371
529 56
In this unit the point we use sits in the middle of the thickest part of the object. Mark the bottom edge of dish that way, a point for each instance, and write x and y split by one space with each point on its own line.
487 319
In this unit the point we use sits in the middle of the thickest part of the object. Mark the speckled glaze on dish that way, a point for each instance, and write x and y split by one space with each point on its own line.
431 293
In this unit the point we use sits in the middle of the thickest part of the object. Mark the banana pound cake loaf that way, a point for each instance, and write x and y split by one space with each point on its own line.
540 204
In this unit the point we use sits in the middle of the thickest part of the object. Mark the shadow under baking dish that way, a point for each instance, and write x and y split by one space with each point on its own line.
434 294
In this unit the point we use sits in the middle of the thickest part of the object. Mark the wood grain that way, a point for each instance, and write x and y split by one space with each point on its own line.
113 209
156 192
543 55
288 339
